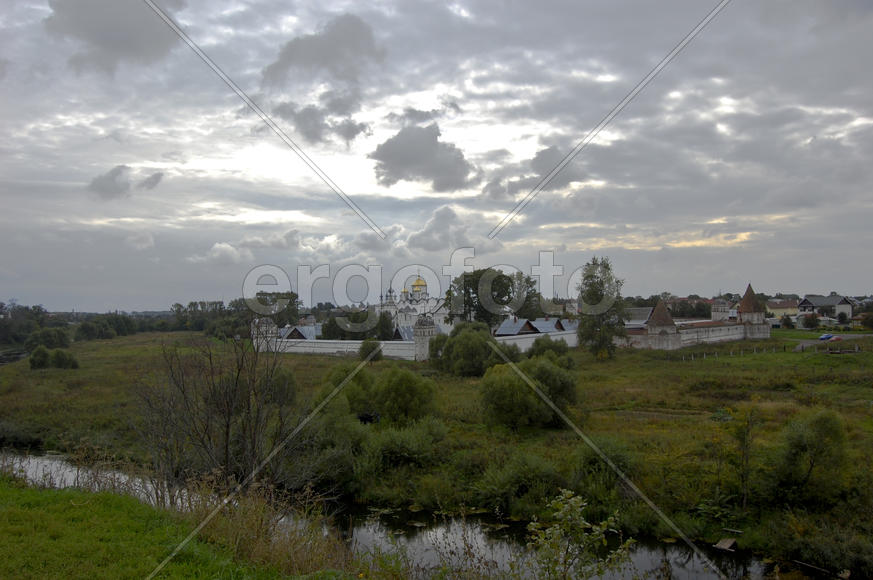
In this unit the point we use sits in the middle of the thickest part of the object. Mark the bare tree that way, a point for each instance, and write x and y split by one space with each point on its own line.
216 406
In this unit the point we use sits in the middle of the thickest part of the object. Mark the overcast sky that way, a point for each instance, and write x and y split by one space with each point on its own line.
132 177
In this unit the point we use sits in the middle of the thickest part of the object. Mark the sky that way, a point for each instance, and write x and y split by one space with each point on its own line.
133 177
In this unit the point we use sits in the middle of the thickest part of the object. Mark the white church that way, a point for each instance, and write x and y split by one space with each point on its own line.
410 304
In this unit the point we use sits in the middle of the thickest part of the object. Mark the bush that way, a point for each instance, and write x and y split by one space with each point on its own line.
519 487
400 395
47 337
467 352
812 460
397 446
358 391
509 400
39 358
62 359
786 322
368 346
544 344
86 331
571 546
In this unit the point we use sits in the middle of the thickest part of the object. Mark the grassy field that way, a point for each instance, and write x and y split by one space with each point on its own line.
665 420
75 534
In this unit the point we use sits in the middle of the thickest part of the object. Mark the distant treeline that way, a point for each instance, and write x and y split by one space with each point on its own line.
31 326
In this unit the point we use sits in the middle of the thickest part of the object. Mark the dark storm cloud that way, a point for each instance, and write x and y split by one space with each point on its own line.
417 154
113 184
343 48
112 32
151 181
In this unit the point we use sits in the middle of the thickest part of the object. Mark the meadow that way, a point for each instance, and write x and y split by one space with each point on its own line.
670 424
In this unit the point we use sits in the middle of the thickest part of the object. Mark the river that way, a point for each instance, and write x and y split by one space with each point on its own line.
427 540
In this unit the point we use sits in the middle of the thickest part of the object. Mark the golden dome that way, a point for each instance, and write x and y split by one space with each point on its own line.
419 283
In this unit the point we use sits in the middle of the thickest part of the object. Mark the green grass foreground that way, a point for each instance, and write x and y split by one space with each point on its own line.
49 533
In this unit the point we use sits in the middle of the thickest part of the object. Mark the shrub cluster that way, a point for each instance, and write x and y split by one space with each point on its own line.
509 400
41 358
48 338
467 351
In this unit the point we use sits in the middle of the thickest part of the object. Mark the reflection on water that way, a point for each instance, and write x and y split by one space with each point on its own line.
430 542
427 541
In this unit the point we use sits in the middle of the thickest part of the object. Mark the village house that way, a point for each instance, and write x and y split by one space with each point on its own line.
830 306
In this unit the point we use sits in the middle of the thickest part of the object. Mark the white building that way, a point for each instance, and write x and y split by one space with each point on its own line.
412 303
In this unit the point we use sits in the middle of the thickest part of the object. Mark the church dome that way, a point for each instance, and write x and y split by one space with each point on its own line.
419 284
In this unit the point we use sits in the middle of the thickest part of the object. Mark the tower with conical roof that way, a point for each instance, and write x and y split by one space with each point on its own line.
750 314
750 310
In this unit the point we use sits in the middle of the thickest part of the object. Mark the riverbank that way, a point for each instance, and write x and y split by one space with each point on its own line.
669 423
74 534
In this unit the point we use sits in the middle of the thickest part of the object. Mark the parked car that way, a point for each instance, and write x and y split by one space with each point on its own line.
826 337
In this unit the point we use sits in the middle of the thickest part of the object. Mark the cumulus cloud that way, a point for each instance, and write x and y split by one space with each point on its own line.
112 32
417 154
151 181
516 179
331 116
140 241
342 48
289 239
222 253
413 116
113 184
446 230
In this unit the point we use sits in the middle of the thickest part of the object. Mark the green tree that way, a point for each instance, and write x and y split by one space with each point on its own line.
368 346
485 295
810 321
86 331
867 321
813 457
385 327
400 395
330 330
602 313
786 322
842 318
466 352
49 338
